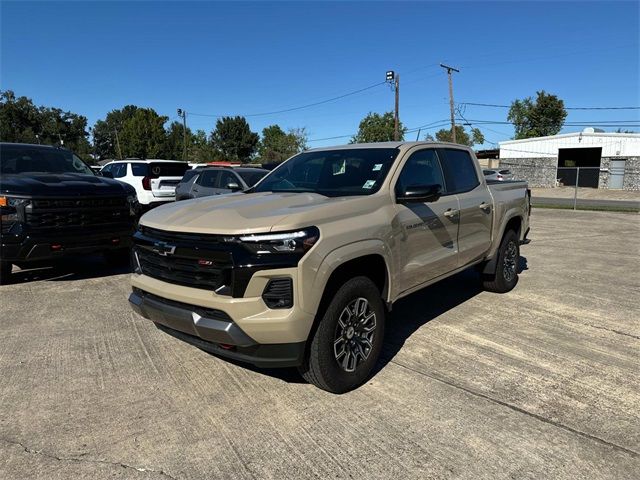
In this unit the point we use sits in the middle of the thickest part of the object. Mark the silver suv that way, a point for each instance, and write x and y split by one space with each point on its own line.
206 181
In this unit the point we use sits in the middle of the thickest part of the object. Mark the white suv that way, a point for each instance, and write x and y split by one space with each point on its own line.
154 180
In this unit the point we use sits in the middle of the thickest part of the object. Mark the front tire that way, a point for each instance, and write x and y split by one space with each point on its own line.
347 343
505 277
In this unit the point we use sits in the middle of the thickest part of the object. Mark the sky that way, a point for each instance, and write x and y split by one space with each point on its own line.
250 58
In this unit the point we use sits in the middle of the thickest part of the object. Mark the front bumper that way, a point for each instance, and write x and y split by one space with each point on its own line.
214 331
41 246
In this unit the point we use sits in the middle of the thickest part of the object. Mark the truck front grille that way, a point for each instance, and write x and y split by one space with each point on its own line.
190 272
82 213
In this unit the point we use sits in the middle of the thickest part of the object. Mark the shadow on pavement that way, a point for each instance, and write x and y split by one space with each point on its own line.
79 268
408 315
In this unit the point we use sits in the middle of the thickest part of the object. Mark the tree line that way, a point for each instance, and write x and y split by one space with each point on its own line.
138 132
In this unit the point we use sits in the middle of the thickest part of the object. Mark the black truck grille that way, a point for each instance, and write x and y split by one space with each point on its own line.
78 212
191 272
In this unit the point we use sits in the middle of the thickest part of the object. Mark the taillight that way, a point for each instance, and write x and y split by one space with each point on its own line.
146 183
499 177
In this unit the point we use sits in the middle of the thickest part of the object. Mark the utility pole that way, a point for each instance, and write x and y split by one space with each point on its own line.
118 144
453 118
394 78
183 114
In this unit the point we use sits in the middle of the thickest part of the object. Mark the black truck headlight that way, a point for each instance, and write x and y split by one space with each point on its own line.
132 203
10 208
296 242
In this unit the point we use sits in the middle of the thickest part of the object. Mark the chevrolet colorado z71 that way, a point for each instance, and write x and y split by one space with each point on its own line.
302 269
53 205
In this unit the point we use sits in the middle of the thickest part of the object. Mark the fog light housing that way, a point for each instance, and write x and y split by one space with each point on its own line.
278 293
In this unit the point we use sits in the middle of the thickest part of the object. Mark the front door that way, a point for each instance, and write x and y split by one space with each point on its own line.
426 232
206 184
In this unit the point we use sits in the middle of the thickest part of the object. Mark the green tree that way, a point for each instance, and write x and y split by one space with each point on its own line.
174 142
542 117
22 121
234 138
106 133
201 149
462 137
377 128
276 145
143 135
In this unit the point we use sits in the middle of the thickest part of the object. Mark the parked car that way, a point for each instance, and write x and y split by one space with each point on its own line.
205 181
499 175
154 180
52 205
302 270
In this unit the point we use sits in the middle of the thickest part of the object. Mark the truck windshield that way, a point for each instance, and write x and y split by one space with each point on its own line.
16 159
332 173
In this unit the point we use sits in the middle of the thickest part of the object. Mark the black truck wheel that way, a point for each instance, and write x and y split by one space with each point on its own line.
506 274
5 272
347 342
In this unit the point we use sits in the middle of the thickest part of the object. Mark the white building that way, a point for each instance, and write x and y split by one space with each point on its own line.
604 160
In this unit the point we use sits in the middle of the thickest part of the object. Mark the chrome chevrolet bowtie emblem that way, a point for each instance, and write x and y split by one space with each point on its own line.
163 248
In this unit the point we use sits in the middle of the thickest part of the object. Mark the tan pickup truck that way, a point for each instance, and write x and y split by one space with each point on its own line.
302 269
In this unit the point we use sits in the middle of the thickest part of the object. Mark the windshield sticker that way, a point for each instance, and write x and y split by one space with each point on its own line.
377 167
369 184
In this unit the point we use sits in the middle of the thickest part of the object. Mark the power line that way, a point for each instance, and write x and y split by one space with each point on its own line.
566 108
428 126
292 109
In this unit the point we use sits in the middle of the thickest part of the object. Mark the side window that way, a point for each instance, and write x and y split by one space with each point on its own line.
139 169
208 178
421 169
226 178
459 170
119 170
107 168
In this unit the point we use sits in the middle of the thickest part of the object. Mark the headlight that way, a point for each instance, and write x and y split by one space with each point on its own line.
298 242
132 202
10 208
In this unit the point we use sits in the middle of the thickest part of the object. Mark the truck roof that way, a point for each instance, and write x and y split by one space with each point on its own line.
404 144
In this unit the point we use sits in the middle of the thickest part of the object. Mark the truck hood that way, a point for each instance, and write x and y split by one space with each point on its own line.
254 212
61 185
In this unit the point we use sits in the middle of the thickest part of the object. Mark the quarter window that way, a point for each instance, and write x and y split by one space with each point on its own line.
139 169
459 170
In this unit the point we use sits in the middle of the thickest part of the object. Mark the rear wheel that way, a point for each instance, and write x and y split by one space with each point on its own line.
347 343
506 274
5 272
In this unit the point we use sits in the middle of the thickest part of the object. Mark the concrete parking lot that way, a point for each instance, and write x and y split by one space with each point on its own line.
538 383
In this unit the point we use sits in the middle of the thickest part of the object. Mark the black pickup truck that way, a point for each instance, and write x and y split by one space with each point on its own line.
52 205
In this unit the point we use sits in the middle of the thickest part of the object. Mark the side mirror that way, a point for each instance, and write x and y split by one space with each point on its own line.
420 193
105 174
233 186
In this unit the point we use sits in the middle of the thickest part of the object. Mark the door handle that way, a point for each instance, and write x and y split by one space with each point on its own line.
451 213
485 207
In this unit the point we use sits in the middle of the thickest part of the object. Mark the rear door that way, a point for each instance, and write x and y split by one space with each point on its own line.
427 233
476 204
165 176
206 184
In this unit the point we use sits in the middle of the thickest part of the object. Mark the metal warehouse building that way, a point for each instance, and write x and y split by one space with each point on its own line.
593 158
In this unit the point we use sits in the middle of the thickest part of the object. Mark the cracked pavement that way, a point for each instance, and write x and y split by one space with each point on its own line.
538 383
